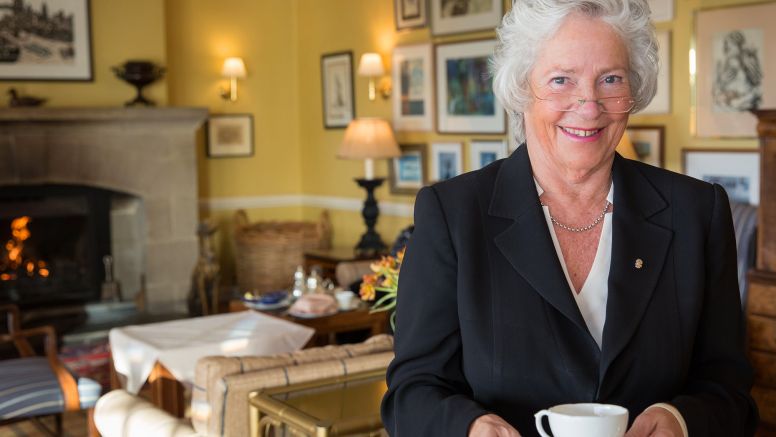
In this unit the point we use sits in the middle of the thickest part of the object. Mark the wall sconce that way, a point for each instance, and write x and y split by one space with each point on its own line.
371 66
234 68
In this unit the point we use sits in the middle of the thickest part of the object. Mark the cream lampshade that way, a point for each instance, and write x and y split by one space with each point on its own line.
371 65
233 69
369 139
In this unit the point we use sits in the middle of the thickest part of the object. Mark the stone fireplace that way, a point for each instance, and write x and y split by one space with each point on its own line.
143 158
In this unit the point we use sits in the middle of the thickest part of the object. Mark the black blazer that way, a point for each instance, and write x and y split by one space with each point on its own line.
486 321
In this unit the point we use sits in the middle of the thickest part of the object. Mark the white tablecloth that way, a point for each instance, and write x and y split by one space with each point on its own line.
179 344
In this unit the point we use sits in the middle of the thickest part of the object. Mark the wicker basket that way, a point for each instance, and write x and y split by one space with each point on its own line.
267 253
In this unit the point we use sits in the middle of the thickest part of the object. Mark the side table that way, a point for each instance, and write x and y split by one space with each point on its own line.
327 327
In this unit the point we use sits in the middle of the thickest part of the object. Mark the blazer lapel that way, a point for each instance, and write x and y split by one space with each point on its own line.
639 248
527 243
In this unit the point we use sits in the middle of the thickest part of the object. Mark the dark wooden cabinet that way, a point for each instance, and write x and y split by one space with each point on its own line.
761 302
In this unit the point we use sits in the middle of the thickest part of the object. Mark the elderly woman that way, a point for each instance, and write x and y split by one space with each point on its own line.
566 273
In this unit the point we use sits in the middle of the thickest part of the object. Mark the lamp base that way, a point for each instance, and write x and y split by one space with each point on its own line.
370 244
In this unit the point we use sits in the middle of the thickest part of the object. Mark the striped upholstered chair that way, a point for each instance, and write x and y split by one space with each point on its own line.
33 386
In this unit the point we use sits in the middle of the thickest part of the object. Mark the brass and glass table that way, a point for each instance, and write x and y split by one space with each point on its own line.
336 406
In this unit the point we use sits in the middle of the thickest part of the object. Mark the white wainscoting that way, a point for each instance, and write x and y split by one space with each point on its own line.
329 202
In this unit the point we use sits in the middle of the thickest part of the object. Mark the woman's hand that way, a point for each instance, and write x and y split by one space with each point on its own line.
655 422
491 425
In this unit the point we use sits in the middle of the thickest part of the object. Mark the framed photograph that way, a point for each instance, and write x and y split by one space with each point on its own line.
662 10
661 103
483 152
45 40
410 14
736 69
407 173
412 79
230 135
339 105
465 99
737 170
649 143
446 161
459 16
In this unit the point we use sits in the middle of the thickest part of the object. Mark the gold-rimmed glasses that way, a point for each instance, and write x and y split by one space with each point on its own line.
567 102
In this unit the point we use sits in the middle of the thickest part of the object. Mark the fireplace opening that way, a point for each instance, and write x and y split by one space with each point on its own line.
54 238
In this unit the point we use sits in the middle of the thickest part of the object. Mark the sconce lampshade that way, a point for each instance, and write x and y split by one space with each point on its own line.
233 67
367 138
371 64
625 147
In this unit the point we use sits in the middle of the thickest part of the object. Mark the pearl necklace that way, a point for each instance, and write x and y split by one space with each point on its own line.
584 228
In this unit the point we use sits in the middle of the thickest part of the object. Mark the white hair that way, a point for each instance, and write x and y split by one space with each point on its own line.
531 22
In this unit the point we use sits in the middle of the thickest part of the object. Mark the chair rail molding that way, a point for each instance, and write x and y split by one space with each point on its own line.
396 209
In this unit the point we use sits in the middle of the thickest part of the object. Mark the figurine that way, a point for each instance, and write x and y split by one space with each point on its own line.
17 101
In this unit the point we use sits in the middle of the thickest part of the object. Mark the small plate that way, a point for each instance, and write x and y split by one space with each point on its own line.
312 316
256 305
354 304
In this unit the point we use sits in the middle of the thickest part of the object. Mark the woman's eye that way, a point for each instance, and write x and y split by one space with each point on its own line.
613 79
559 80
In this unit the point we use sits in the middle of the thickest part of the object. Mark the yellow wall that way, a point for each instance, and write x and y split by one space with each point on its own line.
120 31
282 42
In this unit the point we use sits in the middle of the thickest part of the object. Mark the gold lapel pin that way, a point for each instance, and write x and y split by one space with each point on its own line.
639 263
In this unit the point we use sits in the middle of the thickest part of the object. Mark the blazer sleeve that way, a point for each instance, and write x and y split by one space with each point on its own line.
427 391
716 400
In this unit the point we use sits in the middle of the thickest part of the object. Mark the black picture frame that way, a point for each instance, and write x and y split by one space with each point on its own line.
337 92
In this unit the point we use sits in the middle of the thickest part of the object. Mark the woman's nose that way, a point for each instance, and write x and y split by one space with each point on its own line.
588 108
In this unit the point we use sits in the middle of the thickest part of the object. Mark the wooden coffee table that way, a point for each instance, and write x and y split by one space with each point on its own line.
327 327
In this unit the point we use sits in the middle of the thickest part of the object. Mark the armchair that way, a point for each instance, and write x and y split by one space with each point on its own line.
32 386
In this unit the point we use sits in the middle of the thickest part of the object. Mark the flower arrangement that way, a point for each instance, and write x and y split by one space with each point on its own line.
386 279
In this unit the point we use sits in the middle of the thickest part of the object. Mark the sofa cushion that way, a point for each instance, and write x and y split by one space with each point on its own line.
120 414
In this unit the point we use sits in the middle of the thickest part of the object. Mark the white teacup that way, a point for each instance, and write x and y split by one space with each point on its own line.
584 420
345 299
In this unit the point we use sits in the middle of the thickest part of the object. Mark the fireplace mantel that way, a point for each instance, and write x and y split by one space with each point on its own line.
149 153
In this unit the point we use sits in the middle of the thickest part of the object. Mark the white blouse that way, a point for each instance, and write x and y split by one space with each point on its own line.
591 300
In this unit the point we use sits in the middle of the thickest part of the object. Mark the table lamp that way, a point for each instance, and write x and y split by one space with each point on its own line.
369 139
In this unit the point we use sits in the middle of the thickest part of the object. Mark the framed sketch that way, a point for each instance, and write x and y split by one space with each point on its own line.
446 161
736 67
737 170
649 143
339 105
458 16
465 99
661 103
230 135
412 78
48 40
662 10
483 152
407 173
410 14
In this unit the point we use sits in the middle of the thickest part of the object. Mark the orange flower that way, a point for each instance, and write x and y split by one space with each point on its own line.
400 254
367 289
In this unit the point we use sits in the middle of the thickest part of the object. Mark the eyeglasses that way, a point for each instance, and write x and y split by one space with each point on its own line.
567 103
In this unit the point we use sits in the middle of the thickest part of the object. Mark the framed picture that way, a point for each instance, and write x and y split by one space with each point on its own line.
662 10
339 105
446 161
661 103
230 135
407 173
465 99
48 40
736 69
458 16
412 78
649 143
410 14
737 170
483 152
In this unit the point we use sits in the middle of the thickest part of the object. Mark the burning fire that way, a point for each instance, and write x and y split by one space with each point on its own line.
13 262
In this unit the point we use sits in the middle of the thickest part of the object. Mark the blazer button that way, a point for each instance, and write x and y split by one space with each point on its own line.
639 263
